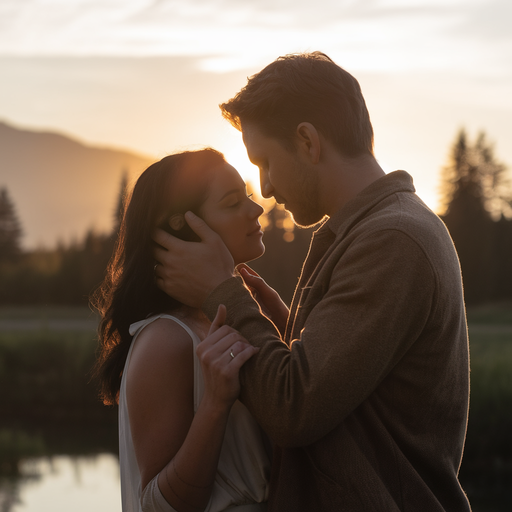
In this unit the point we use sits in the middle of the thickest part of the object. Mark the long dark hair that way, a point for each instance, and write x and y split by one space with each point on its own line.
174 185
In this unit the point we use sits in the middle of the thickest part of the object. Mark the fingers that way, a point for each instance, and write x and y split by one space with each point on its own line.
199 226
252 279
219 342
237 348
165 240
248 271
241 356
219 320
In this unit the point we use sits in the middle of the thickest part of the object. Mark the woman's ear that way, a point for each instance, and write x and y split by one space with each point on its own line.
177 221
309 143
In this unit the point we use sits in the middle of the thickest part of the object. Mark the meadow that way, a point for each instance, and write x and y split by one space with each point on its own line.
49 406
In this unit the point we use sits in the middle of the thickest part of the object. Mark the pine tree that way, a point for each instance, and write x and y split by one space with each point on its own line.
10 228
474 174
475 194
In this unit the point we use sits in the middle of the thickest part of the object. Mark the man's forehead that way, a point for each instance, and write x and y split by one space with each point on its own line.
255 139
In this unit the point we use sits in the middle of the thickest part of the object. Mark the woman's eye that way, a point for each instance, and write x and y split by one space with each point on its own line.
249 195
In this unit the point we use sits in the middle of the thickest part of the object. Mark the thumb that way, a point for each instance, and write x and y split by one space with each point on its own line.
219 320
199 226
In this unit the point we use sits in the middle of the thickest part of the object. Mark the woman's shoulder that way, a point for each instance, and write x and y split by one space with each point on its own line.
165 334
162 348
168 336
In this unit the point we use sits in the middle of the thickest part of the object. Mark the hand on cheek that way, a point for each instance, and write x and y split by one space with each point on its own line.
190 271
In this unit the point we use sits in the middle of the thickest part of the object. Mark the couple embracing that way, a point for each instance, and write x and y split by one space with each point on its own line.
356 397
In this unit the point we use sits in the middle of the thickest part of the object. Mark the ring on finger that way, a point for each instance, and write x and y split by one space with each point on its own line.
231 354
154 268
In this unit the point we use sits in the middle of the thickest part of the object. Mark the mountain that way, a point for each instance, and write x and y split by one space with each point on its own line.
60 186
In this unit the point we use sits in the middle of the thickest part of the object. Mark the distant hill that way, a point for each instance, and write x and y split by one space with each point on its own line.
62 187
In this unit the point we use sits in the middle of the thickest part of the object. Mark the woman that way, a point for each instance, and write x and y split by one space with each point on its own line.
186 443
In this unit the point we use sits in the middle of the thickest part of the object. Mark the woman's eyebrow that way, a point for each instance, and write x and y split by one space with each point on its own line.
233 191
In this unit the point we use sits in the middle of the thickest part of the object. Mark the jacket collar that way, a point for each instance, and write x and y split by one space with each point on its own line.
348 214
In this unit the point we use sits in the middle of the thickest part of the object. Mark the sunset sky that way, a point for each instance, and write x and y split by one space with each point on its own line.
148 75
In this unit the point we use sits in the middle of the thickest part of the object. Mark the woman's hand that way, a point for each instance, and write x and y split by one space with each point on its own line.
222 353
268 299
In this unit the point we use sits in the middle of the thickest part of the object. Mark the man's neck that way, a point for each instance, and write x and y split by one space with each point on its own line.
345 178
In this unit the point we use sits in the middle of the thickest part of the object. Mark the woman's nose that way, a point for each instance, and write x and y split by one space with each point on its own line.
256 210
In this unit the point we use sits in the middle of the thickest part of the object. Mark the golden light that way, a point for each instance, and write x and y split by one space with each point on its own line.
236 155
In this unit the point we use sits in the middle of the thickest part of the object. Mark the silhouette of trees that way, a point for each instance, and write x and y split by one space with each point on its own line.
10 229
474 175
286 247
66 274
476 196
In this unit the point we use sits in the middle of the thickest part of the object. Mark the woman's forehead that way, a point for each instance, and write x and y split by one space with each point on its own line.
225 177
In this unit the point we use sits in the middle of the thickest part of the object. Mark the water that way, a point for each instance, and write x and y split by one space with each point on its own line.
63 483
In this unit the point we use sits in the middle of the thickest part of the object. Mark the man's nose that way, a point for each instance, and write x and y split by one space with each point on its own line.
267 190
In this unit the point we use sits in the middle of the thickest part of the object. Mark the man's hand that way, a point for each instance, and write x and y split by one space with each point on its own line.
190 271
268 299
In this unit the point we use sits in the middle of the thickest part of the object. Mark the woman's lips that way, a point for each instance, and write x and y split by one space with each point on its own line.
255 231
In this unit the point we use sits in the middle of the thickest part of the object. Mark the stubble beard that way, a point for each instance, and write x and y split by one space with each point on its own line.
306 211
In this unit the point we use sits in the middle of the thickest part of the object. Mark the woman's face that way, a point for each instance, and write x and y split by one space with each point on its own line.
233 215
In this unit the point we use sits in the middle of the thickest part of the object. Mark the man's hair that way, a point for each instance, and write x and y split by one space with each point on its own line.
305 87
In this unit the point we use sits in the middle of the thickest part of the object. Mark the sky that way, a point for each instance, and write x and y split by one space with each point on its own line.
148 75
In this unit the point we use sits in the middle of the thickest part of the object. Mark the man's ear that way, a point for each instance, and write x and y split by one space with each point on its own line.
308 142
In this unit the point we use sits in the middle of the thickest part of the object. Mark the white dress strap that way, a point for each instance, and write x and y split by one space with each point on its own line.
136 327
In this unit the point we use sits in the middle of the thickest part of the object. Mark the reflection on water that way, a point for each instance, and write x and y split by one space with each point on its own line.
64 483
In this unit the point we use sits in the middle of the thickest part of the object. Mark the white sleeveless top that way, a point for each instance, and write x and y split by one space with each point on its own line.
244 467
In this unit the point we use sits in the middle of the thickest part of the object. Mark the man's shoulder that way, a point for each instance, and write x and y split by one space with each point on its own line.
407 213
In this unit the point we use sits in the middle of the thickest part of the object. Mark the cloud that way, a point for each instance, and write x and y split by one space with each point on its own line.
238 34
487 20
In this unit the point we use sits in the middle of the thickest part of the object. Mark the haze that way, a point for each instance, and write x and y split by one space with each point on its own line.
148 75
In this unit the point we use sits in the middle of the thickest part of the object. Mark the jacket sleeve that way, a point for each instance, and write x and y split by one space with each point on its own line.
367 306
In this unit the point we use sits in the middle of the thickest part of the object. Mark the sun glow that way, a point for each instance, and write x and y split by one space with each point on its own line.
236 155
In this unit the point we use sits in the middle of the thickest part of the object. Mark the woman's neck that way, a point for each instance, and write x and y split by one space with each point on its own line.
194 318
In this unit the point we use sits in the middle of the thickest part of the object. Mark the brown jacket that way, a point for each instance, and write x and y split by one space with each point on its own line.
367 399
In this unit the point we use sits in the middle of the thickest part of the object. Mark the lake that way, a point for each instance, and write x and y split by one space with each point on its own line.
58 442
63 483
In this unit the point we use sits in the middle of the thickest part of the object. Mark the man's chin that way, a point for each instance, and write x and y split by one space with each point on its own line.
306 222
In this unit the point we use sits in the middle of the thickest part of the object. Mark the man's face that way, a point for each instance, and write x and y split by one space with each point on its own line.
285 176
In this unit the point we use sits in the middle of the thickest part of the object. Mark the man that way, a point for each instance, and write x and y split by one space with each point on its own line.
366 400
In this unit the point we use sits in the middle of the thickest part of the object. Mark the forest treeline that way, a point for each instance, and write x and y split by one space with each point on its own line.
476 199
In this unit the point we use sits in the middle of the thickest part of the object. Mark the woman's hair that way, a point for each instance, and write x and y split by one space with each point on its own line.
167 189
305 87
